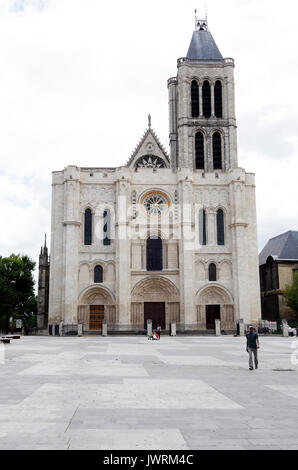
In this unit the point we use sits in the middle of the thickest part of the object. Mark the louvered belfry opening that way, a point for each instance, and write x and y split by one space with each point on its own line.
195 108
154 254
88 227
218 99
217 152
206 99
199 147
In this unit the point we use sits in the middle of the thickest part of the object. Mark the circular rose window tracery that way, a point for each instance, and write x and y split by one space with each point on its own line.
150 161
155 204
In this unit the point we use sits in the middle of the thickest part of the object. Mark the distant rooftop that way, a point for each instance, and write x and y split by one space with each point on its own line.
282 247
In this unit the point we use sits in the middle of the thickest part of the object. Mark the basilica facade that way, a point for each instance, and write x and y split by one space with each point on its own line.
166 237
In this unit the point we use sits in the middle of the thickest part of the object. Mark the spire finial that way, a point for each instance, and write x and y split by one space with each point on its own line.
201 24
149 121
45 240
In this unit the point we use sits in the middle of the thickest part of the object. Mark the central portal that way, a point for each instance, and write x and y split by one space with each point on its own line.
212 314
97 314
155 311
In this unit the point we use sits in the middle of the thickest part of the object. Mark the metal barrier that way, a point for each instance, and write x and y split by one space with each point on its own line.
69 330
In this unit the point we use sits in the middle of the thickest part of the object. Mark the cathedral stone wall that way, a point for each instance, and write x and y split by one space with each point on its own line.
179 276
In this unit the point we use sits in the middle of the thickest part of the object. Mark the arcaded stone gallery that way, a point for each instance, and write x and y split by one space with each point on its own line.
163 237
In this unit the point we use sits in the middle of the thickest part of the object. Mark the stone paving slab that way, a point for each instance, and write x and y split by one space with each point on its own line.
131 393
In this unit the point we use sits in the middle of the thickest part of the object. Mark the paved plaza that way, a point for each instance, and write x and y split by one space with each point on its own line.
131 393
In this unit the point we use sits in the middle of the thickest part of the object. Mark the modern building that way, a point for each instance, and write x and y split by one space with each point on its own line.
278 265
163 237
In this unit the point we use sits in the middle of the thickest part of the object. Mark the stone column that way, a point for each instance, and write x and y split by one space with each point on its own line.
72 231
212 101
239 243
241 327
187 274
149 327
201 100
104 330
211 227
123 249
285 328
80 329
217 328
61 328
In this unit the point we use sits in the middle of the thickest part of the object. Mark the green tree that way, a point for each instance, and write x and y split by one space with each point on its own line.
291 295
17 298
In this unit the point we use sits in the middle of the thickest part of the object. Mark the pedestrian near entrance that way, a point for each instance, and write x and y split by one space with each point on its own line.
158 329
252 346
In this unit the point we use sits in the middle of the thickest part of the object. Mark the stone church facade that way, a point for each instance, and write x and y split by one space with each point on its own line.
164 237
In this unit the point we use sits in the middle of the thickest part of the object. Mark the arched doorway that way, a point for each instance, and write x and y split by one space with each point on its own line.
215 302
156 299
95 305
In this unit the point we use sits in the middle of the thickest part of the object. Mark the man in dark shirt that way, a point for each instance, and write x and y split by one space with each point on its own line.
252 346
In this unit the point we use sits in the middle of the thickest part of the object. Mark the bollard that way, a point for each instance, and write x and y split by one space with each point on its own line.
217 327
285 328
173 328
104 328
80 329
149 327
61 328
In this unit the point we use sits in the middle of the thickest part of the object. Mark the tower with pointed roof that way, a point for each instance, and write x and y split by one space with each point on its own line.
163 238
43 287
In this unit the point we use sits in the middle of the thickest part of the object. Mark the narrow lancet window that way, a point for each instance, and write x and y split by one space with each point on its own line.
217 151
98 275
202 227
199 147
206 99
212 272
107 228
220 227
218 99
88 227
195 108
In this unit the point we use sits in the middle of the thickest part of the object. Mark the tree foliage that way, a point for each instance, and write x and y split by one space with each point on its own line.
291 295
17 298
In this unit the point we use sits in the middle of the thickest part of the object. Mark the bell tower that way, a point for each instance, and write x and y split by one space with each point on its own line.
203 135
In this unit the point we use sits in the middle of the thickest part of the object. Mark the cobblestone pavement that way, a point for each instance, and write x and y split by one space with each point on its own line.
131 393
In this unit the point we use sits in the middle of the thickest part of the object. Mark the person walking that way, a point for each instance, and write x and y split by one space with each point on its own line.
252 346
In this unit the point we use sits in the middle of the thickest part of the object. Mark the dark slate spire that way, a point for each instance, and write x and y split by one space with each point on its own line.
203 46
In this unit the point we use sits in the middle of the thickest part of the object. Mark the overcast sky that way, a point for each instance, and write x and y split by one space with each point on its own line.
79 77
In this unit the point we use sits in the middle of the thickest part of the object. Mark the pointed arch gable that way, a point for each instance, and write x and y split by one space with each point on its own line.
149 145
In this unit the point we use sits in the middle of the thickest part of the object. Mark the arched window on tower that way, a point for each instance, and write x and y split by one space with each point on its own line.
217 152
107 227
220 227
202 227
195 108
88 227
98 274
154 254
212 272
200 154
218 99
206 99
